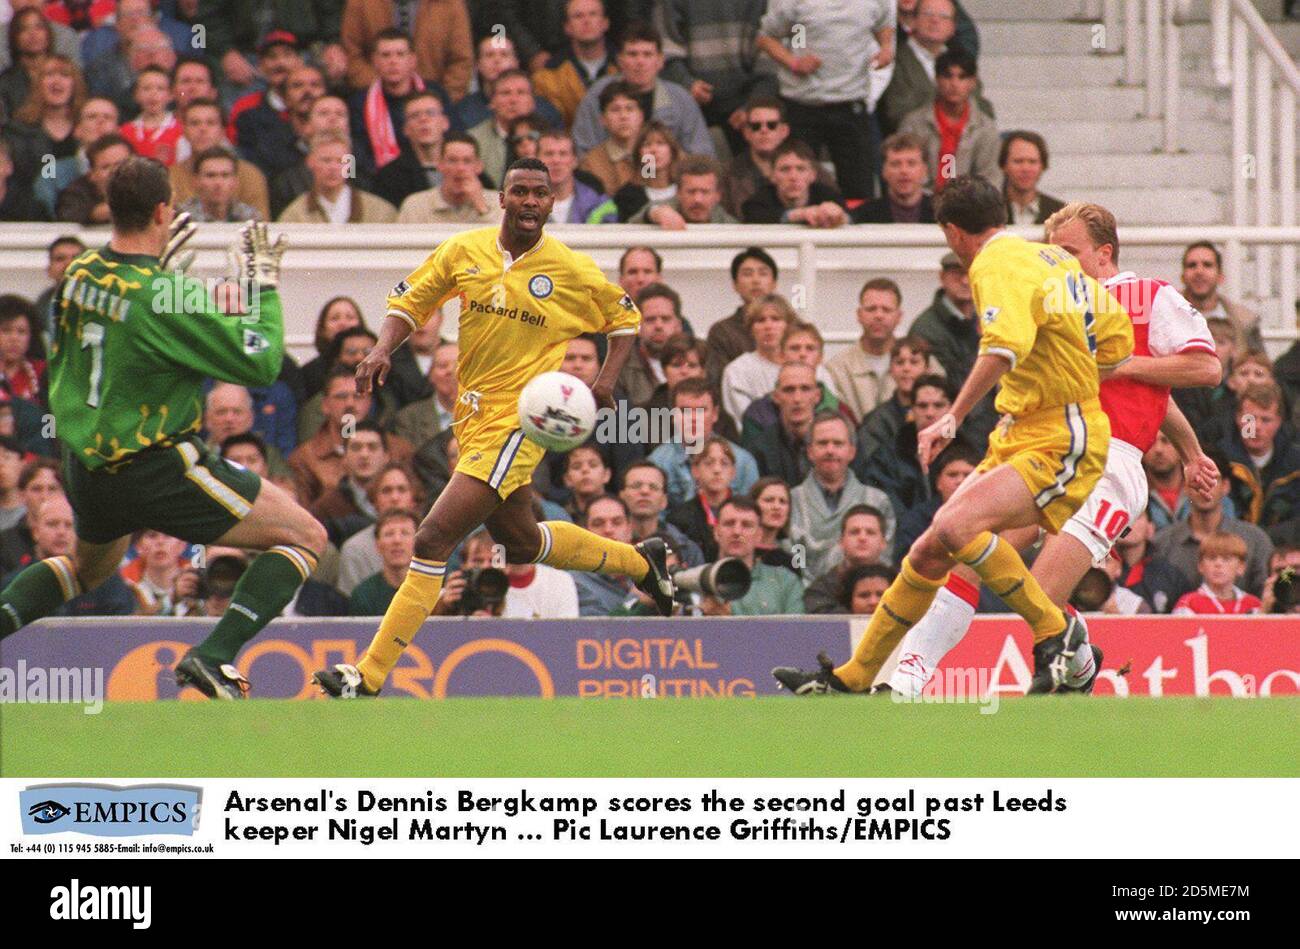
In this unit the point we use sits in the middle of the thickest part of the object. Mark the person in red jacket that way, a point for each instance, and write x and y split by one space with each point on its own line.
1222 563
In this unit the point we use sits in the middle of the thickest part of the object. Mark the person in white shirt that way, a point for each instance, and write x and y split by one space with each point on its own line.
752 375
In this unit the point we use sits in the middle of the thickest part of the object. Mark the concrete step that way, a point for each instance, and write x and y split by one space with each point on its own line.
1136 137
1099 170
1120 103
1160 206
1096 70
987 11
1053 37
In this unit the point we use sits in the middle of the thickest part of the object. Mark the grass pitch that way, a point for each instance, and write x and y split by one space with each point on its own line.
777 737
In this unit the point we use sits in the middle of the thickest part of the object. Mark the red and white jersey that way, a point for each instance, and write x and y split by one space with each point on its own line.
1164 324
1203 602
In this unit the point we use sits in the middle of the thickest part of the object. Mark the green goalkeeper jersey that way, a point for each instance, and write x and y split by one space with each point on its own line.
133 345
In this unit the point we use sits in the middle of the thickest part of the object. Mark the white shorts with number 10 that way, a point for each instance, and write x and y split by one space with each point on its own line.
1119 497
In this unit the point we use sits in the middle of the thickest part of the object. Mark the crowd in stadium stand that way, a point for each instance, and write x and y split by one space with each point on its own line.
659 112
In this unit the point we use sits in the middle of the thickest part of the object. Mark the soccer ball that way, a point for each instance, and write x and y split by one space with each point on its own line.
557 411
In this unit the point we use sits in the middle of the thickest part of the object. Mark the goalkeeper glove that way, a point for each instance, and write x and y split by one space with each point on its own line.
261 258
180 231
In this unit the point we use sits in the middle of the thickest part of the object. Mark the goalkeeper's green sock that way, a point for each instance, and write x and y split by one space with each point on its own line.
36 592
266 588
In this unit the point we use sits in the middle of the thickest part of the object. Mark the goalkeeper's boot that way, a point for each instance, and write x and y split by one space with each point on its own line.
802 682
344 682
1090 679
216 681
1052 657
658 582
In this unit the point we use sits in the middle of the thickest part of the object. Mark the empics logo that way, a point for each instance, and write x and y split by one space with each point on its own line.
75 902
110 811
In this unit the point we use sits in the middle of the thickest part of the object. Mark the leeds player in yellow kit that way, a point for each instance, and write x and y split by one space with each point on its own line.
1045 340
523 296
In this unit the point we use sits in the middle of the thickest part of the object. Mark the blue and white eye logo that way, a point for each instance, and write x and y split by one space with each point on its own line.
47 812
541 286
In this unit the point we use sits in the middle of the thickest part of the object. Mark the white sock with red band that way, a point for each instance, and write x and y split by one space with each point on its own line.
942 627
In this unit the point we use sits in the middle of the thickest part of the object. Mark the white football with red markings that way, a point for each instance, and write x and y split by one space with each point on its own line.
557 411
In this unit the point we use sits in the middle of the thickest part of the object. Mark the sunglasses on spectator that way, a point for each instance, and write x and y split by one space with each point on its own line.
771 125
525 137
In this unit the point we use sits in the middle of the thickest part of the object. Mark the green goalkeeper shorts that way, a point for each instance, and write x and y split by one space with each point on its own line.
184 490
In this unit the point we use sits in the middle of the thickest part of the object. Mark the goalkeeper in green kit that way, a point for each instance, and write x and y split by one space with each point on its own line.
133 344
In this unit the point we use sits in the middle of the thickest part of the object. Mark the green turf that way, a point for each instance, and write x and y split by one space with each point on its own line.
703 738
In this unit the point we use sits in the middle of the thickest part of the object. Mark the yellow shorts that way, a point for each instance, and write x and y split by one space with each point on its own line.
493 448
1059 452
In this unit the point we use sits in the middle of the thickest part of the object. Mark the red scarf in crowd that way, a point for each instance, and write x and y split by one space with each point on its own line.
379 124
949 135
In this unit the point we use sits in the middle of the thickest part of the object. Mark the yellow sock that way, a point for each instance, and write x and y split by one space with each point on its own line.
1002 570
406 614
905 602
570 547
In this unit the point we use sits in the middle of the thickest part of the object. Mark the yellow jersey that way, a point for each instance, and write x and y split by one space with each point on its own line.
516 314
1055 324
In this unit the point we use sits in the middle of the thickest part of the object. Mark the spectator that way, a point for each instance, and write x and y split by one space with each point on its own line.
904 172
496 55
535 591
710 51
861 542
337 315
422 419
657 154
959 138
683 357
114 76
1155 580
395 544
45 124
438 30
695 417
510 98
860 373
31 40
644 490
640 62
575 202
897 471
752 375
461 198
827 86
1023 159
622 118
1202 277
587 476
327 114
215 185
1222 562
863 587
566 76
203 131
238 28
1180 542
912 86
346 508
661 319
416 166
155 131
800 343
1168 500
276 139
12 508
393 488
713 470
231 410
522 137
53 535
764 129
22 353
772 496
782 449
375 111
773 591
192 79
753 275
638 268
38 481
966 36
794 196
84 201
538 26
346 351
62 251
331 199
698 199
17 203
599 593
155 575
96 118
1285 561
1287 371
952 466
819 502
317 462
1265 457
949 324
